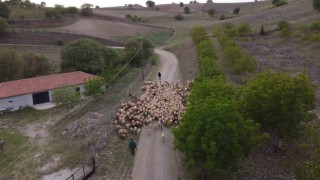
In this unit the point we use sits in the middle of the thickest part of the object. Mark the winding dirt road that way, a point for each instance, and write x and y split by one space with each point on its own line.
156 160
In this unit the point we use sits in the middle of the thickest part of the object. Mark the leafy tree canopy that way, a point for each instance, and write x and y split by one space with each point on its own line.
198 34
4 10
10 68
34 64
279 101
82 55
136 48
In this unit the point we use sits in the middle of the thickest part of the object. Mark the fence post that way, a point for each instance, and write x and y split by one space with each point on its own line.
72 177
84 172
94 164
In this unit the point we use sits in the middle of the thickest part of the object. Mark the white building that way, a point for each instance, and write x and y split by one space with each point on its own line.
38 90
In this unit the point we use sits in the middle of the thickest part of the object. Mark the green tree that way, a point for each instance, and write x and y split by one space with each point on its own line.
316 4
213 135
72 10
4 26
136 48
279 101
209 1
244 28
150 4
178 17
82 55
4 10
86 9
111 57
33 64
236 10
93 87
186 10
211 12
181 4
66 96
10 68
198 34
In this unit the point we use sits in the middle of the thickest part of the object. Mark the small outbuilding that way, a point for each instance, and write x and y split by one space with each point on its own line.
38 90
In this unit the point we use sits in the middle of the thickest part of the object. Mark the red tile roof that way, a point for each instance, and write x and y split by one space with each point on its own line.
42 83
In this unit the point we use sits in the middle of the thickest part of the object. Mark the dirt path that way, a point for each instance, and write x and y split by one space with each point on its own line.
156 160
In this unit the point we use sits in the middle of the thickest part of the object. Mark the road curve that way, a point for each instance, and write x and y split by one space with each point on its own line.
156 160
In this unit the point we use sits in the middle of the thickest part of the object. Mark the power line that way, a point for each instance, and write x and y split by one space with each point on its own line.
69 113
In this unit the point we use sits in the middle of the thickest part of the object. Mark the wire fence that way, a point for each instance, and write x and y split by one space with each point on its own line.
84 172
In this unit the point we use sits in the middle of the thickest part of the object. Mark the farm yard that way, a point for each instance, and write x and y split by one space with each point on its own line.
52 144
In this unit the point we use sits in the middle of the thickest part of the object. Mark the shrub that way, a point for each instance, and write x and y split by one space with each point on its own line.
316 4
186 10
262 32
4 10
66 96
10 68
33 64
285 32
281 3
275 1
60 42
198 34
178 17
236 10
244 28
211 12
222 17
86 9
93 87
283 24
4 26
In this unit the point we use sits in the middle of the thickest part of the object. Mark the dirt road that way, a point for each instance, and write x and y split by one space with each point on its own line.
156 160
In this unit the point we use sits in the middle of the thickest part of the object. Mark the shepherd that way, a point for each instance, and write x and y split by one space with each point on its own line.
159 75
132 146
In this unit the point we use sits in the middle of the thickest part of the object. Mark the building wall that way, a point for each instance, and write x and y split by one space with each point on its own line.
16 101
26 100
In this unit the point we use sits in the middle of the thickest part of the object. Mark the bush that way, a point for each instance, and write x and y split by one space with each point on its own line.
283 24
178 17
285 32
131 49
281 3
4 27
10 68
198 34
222 17
316 4
4 10
86 9
60 42
34 64
66 96
315 26
244 28
262 32
211 12
186 10
93 87
236 10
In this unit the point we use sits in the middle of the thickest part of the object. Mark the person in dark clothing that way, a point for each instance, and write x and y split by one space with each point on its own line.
159 75
132 146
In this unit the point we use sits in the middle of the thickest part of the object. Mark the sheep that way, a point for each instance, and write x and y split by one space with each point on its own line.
163 137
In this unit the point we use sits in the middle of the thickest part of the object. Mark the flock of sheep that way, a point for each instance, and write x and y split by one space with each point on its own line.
161 101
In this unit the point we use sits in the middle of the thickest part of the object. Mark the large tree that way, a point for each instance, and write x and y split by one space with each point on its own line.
34 64
213 136
150 4
10 68
279 101
82 55
4 10
137 48
86 9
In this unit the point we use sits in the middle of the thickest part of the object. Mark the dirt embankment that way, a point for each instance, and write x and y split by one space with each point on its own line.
41 23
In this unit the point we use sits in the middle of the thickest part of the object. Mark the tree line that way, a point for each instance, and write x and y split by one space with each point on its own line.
223 123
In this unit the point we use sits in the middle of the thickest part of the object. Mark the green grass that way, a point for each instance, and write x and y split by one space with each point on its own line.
13 141
160 38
